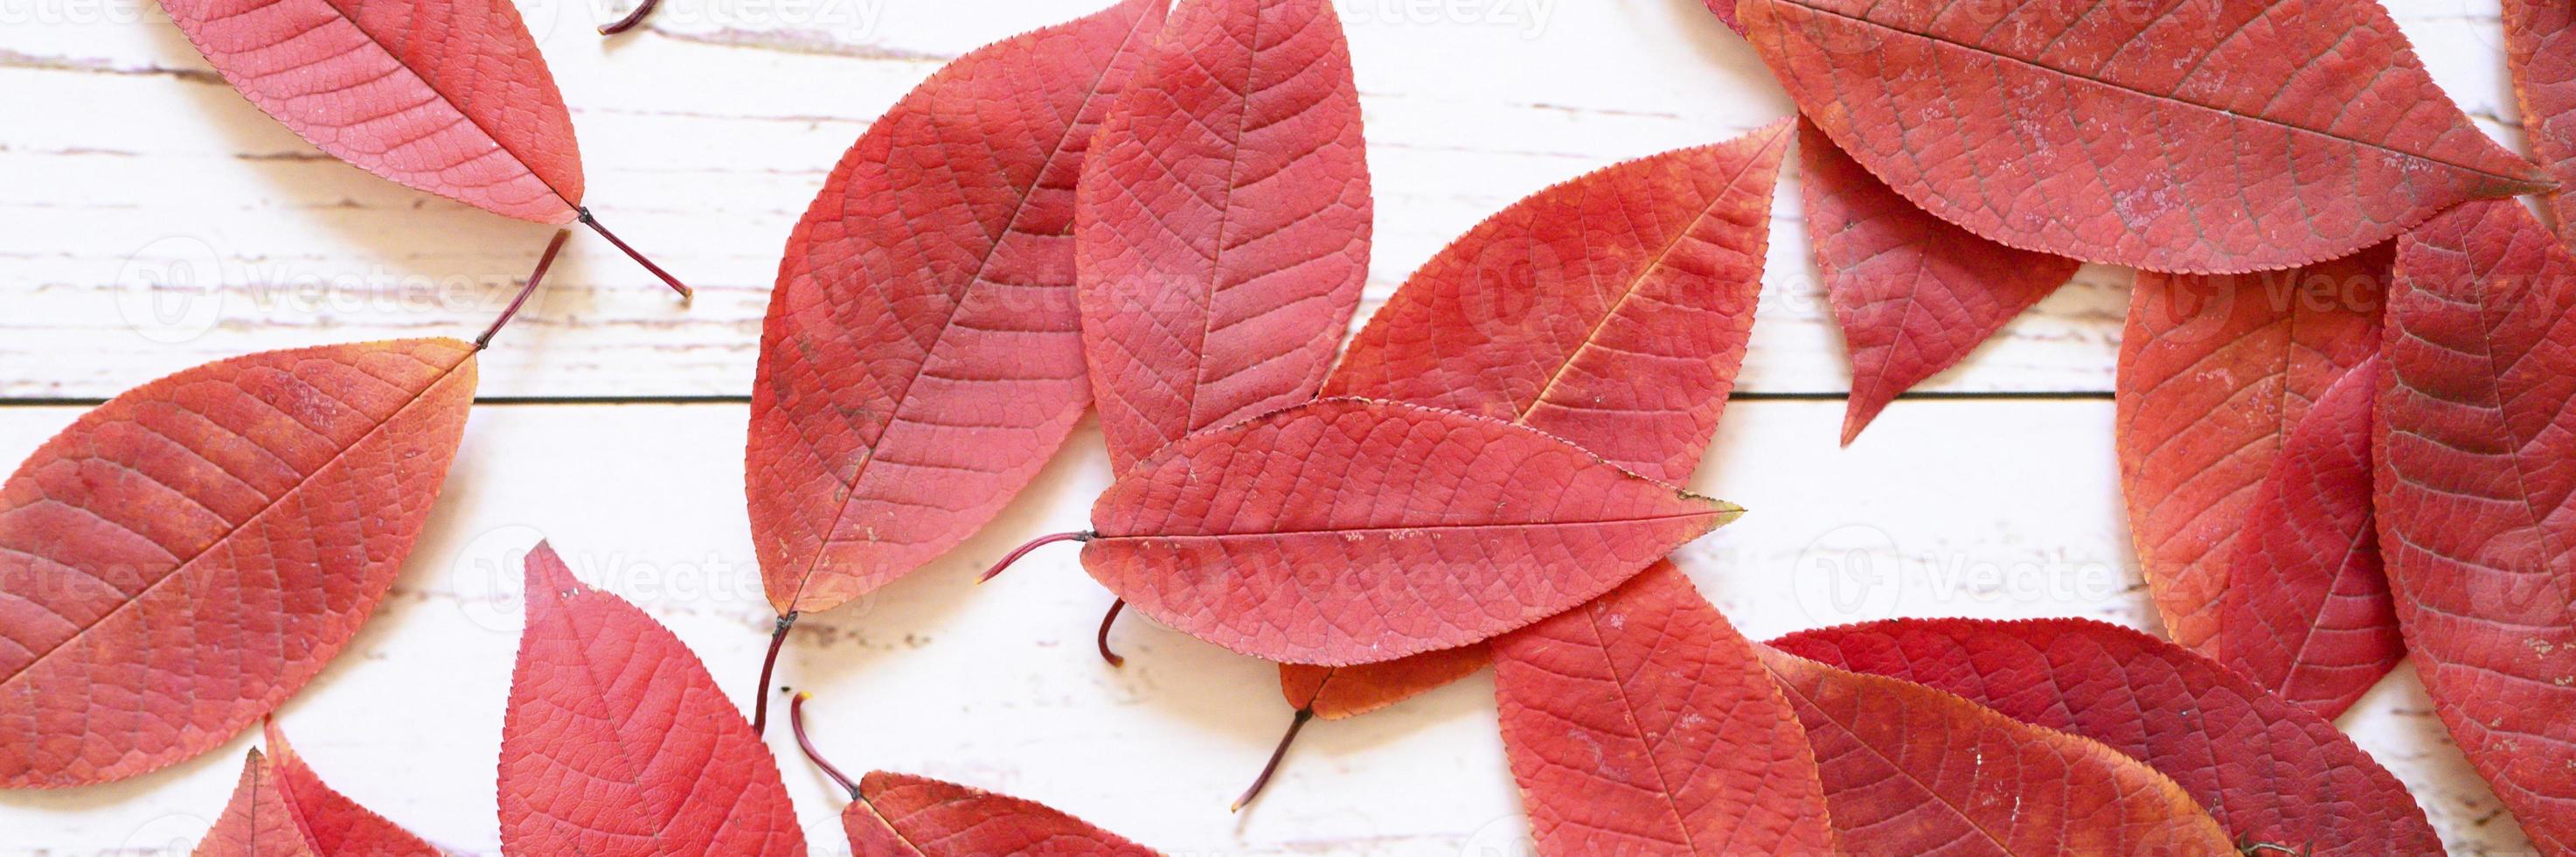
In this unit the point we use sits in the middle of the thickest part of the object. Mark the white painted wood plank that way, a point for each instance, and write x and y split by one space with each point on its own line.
1985 508
135 176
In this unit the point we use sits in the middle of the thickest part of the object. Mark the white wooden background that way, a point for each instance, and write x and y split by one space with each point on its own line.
150 219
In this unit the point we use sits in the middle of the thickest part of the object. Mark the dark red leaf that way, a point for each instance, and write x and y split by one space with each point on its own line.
257 822
1912 770
617 742
2306 611
1350 530
901 814
186 556
2214 372
2217 136
2477 496
2540 45
922 355
1643 723
1223 226
2267 770
1913 293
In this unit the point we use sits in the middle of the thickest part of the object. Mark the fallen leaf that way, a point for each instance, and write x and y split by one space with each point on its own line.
1222 232
1913 293
2540 46
905 814
1642 723
617 742
445 96
922 356
1351 530
2306 611
1610 310
1909 769
2477 496
2214 372
2268 771
2201 137
186 556
257 822
326 819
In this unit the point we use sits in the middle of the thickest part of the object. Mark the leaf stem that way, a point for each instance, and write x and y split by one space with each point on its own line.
632 18
796 723
1105 621
1034 544
769 663
593 223
534 277
1280 752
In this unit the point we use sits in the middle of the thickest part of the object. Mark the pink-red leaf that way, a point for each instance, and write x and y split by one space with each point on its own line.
2306 612
1912 770
617 742
2477 496
922 355
1610 310
1223 226
257 822
186 556
2540 45
2216 136
2267 770
901 814
334 824
446 96
2214 372
1351 530
1913 293
1642 723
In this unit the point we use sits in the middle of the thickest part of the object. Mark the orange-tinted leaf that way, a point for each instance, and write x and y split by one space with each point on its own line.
186 556
1913 770
617 742
922 355
2267 770
1351 530
2540 45
1223 226
447 96
1913 293
2217 136
333 823
1642 723
901 814
2477 496
1610 310
2214 372
257 822
2306 612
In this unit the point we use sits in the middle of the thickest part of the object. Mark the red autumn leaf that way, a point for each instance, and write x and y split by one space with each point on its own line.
1912 770
445 96
2306 612
1610 310
904 814
2267 770
922 356
186 556
617 742
1643 723
1222 232
2214 372
258 822
1351 530
2477 496
2230 135
2540 45
1913 293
